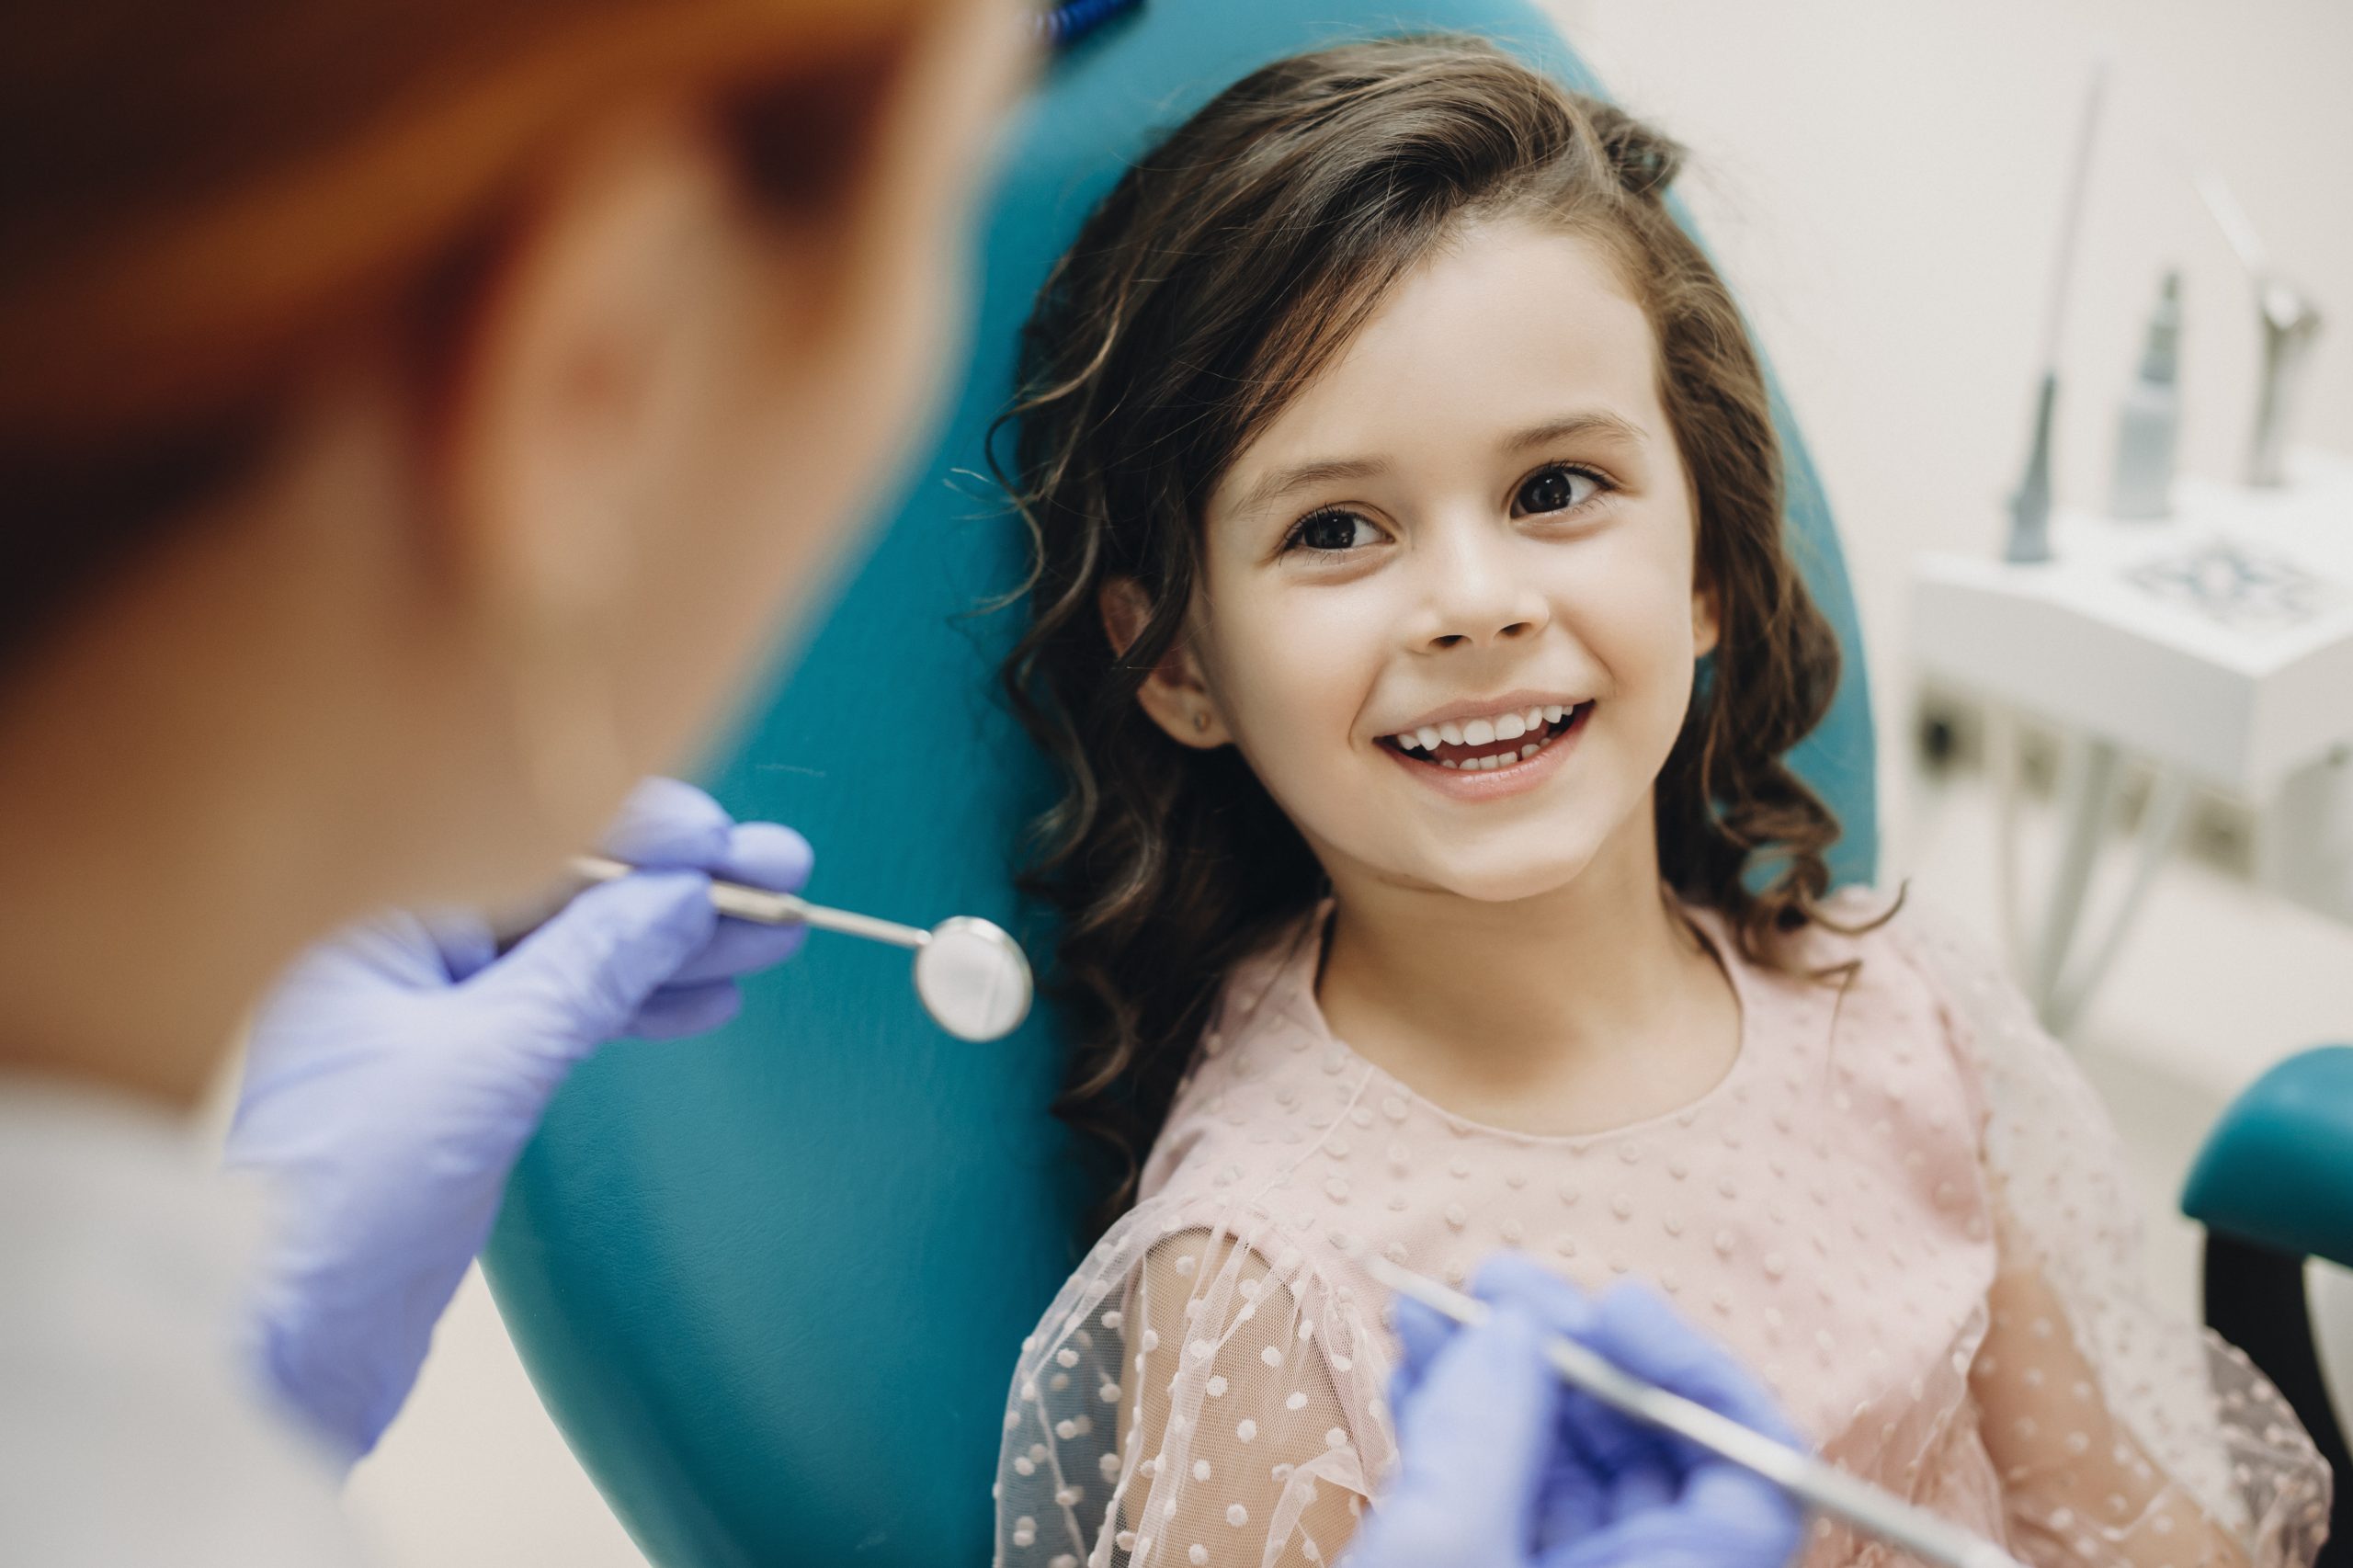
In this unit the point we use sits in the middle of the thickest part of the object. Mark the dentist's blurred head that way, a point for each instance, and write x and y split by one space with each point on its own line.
417 415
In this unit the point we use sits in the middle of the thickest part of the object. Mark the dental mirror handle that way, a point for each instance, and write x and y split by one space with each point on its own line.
768 908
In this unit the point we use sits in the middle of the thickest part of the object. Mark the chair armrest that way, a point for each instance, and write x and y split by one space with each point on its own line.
2277 1167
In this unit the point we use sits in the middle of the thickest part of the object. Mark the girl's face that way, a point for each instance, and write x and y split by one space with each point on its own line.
1448 609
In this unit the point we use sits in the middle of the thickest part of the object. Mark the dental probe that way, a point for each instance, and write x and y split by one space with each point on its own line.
1867 1507
971 977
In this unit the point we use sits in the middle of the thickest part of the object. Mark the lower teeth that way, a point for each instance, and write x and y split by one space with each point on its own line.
1502 759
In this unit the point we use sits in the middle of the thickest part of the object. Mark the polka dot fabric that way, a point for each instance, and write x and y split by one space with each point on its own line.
1900 1205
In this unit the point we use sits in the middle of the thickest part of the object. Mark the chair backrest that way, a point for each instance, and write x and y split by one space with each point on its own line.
771 1282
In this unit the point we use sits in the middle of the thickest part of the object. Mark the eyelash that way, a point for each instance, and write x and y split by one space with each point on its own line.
1296 538
1601 483
1601 486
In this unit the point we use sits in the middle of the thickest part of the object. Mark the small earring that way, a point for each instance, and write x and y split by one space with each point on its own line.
1200 721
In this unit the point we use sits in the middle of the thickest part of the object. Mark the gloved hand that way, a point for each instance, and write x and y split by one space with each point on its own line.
394 1077
1504 1466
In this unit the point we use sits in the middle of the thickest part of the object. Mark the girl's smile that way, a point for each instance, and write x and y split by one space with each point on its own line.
1505 749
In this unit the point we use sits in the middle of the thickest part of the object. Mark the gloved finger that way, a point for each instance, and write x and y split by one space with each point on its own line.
394 950
1546 1296
1422 1333
588 970
1472 1443
1740 1505
467 942
669 822
1636 1328
1631 1462
1604 1436
1574 1497
1724 1524
739 948
676 1011
767 855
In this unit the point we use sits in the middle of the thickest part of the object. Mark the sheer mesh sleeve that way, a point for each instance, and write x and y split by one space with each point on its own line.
1199 1393
2124 1436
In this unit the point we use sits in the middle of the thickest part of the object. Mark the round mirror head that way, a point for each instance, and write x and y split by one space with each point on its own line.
973 979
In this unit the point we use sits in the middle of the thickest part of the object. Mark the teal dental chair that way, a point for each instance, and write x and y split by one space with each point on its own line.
771 1283
2273 1187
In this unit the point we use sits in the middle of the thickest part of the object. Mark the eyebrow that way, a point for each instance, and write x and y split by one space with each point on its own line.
1593 422
1283 481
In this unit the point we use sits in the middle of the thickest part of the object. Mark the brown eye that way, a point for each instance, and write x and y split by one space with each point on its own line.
1554 490
1333 531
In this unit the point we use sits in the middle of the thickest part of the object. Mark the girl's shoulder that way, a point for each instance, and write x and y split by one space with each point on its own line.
1919 970
1891 966
1895 942
1264 1064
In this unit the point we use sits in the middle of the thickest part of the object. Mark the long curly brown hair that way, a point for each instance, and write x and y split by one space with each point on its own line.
1224 270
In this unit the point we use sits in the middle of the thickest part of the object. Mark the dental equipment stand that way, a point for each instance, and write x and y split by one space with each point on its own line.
2216 646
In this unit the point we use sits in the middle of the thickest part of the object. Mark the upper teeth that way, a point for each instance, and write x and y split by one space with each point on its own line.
1506 726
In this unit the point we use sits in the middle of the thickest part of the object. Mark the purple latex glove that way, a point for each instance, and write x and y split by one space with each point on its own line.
1504 1466
395 1076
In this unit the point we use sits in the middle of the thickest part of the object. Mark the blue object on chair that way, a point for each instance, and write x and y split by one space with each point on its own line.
2277 1167
771 1283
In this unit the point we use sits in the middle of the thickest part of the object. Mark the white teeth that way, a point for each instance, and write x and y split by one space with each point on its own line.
1486 732
1442 762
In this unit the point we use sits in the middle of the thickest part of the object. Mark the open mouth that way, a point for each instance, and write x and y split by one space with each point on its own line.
1487 744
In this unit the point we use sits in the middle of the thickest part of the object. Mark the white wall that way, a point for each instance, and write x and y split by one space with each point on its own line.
1883 182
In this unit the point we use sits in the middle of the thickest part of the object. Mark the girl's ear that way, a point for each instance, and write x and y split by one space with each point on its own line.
1174 695
1706 625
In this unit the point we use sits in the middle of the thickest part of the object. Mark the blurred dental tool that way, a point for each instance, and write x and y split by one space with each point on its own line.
2289 322
1834 1492
2149 424
971 977
2030 538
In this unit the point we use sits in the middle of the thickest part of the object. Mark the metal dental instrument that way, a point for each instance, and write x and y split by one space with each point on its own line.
1834 1492
2289 322
971 977
2029 539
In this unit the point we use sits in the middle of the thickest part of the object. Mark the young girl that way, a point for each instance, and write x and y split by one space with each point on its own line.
1415 625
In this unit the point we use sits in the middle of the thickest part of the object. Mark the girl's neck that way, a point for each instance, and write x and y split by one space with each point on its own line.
1595 994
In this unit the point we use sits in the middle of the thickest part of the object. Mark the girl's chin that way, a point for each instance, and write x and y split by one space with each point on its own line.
1521 880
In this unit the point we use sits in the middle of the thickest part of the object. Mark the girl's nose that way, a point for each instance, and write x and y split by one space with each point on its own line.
1471 595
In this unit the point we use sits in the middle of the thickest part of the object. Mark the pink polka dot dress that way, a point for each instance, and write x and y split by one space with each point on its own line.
1902 1206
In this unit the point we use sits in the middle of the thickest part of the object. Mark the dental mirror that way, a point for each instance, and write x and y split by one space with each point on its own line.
970 975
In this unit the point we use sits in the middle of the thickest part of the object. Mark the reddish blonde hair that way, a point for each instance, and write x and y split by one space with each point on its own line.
195 201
